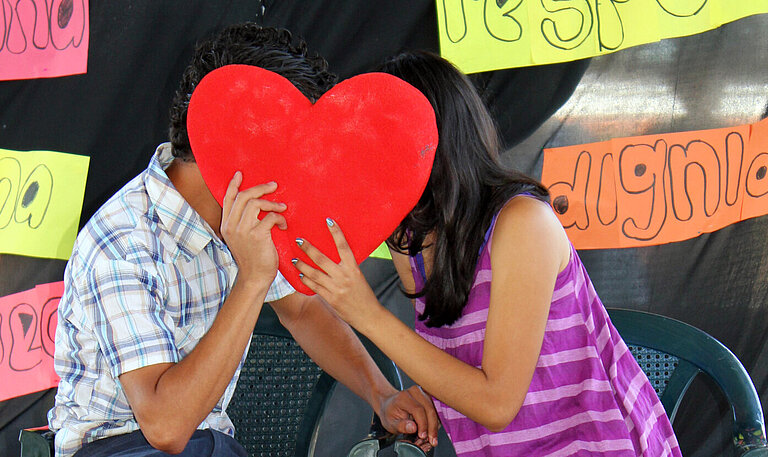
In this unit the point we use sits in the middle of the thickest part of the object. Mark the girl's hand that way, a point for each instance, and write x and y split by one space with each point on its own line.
341 284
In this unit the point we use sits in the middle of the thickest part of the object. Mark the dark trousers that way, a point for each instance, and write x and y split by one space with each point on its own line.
204 443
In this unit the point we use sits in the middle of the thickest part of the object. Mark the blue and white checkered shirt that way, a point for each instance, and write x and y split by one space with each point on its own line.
145 282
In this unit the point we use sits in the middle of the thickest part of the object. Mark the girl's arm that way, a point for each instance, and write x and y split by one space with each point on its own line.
529 249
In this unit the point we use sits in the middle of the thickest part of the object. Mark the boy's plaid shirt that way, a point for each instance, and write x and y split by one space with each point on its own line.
145 282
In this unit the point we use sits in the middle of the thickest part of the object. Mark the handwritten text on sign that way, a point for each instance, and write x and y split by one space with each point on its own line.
43 38
483 35
41 195
27 335
658 189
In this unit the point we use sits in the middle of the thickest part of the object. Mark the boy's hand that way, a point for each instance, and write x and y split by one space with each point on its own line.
248 237
411 411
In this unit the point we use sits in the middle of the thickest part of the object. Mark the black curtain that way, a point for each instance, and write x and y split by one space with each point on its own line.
118 112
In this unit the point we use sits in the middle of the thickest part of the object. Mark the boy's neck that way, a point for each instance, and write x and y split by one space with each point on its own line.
186 178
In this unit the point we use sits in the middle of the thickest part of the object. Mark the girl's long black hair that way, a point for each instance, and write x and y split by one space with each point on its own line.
468 184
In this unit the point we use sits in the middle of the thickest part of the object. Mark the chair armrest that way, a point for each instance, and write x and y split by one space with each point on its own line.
36 442
379 438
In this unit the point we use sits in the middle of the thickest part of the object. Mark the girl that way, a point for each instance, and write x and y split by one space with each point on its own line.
511 339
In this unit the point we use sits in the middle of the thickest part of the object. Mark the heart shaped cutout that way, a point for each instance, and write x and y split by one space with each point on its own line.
361 155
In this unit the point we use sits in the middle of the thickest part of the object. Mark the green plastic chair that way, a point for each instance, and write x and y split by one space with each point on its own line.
673 353
279 399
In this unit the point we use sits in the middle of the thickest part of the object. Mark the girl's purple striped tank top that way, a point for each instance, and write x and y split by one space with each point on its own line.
588 395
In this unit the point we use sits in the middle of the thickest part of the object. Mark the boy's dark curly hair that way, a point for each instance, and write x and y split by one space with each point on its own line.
247 44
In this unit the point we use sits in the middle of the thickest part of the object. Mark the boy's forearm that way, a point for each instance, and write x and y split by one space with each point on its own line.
171 406
334 346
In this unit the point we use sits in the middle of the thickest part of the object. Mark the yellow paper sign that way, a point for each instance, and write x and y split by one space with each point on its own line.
41 195
381 252
730 11
483 35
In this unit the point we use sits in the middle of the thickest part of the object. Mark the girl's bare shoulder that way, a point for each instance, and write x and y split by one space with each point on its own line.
532 222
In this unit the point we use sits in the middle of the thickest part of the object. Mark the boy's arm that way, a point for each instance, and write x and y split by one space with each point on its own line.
170 400
332 344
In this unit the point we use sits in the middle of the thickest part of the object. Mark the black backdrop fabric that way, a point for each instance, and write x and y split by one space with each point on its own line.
117 114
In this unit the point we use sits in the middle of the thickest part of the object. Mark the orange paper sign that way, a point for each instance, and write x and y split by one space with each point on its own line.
27 334
657 189
43 38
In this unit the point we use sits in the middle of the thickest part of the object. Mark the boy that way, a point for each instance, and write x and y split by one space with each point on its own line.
165 286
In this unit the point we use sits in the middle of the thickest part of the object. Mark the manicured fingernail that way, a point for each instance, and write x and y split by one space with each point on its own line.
299 241
329 221
423 435
294 261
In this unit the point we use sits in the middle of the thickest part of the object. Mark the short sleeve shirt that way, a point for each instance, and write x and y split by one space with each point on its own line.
145 282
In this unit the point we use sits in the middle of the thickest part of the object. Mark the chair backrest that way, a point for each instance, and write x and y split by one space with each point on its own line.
281 393
673 353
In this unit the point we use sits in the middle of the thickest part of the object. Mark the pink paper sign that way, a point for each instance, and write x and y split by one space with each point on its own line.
43 38
27 334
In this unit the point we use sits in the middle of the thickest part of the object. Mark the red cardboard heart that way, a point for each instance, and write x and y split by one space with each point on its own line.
361 154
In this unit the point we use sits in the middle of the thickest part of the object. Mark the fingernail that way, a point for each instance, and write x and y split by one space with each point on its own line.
301 275
434 442
329 221
294 261
299 241
423 435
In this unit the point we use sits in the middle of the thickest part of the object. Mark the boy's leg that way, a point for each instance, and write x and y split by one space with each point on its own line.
204 443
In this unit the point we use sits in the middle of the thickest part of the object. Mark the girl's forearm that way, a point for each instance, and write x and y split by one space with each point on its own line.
491 402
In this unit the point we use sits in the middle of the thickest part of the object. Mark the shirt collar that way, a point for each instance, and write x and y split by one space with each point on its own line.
183 223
